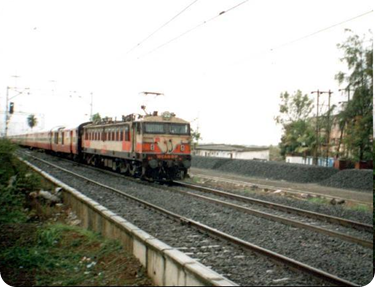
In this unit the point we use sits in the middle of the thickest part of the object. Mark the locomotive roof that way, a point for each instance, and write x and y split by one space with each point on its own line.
161 119
156 119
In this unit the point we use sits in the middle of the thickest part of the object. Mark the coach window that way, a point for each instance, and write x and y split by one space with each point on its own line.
127 133
118 135
113 135
62 138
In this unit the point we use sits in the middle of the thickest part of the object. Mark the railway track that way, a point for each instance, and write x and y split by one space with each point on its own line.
283 260
281 217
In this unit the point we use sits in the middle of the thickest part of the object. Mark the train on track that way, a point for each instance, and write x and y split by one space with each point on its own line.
150 146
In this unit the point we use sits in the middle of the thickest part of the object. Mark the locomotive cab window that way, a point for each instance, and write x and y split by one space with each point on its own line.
154 128
179 129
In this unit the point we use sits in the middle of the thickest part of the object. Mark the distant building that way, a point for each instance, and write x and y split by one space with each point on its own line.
232 151
322 161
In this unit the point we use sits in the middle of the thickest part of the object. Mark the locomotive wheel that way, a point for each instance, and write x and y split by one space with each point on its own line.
133 170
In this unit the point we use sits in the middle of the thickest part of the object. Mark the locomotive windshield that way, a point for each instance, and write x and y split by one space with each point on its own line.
154 128
179 129
164 128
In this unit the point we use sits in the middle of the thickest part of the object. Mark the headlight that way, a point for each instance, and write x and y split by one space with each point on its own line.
186 163
182 147
153 163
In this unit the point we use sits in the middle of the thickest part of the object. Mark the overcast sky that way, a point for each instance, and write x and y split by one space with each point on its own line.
225 76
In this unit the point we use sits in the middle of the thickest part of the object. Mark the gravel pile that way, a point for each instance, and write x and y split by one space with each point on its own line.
271 170
360 179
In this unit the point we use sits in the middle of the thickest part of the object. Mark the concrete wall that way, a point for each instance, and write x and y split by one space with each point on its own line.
261 154
165 265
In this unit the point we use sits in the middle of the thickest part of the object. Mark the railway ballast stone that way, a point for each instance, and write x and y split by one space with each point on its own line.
350 179
271 170
361 179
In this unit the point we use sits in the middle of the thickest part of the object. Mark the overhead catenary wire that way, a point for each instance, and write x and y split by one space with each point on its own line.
193 28
300 38
321 30
162 26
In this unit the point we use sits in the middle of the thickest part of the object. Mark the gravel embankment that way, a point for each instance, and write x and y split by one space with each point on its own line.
361 179
350 179
344 259
271 170
244 268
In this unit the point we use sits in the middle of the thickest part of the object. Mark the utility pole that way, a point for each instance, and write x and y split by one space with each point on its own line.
7 117
91 106
347 89
328 131
317 131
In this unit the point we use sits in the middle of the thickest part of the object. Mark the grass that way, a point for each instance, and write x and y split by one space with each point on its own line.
318 200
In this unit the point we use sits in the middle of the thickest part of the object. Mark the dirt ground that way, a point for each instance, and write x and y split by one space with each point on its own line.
294 189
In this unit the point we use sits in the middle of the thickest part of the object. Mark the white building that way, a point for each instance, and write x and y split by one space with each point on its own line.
322 161
232 151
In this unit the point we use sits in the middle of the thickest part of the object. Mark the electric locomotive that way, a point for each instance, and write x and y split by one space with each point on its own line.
151 146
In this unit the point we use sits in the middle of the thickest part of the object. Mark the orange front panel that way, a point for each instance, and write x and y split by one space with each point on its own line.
185 151
147 147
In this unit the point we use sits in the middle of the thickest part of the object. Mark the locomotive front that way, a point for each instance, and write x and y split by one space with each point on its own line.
165 146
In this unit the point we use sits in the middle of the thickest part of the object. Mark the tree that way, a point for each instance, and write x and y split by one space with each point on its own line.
96 118
32 121
295 111
196 136
357 116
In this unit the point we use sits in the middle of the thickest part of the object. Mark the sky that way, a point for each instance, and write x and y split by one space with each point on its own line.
225 76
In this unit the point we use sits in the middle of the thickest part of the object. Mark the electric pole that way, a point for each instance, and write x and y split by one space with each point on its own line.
328 131
7 109
317 131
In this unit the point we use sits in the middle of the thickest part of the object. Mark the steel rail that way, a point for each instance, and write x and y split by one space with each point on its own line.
311 214
294 264
291 222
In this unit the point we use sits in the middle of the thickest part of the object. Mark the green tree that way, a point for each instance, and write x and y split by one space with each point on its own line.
295 111
196 136
32 121
96 118
357 116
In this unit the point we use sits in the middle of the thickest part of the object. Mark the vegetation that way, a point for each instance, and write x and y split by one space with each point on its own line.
357 116
355 120
299 135
196 136
275 153
96 118
32 121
